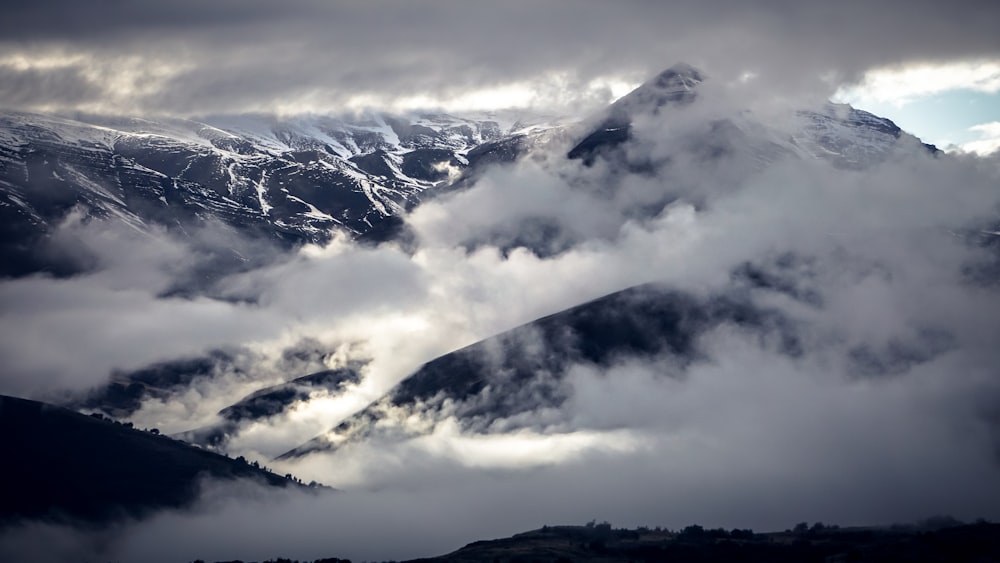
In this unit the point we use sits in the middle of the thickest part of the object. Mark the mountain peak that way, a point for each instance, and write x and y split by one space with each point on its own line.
672 84
676 85
680 72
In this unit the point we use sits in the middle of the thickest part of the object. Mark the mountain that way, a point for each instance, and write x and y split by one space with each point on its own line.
285 181
846 136
660 128
59 464
125 392
518 371
389 164
486 386
676 86
269 402
495 385
523 370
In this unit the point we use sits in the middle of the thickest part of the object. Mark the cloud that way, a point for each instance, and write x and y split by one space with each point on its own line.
989 141
901 85
751 439
232 57
48 87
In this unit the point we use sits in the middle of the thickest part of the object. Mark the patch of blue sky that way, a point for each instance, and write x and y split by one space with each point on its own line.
945 119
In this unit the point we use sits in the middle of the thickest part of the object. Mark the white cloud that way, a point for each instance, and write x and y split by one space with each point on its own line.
900 85
989 141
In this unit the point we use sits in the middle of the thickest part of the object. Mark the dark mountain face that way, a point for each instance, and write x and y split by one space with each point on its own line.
270 402
274 400
523 370
59 464
124 394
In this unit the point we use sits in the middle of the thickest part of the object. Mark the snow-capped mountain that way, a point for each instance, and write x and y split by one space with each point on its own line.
290 180
675 86
846 136
491 386
298 179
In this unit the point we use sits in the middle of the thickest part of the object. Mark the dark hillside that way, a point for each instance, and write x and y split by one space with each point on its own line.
58 463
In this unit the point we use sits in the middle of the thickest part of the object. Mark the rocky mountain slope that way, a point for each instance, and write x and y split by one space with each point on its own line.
284 180
486 386
290 180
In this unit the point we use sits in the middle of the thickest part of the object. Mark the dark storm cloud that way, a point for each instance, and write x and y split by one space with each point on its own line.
112 19
234 56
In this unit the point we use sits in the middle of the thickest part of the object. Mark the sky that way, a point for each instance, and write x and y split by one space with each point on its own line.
899 255
932 66
955 105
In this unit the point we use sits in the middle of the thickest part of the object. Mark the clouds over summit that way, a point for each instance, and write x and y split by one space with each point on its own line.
230 57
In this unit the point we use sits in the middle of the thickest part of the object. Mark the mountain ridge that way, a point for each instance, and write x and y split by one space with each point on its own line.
291 181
